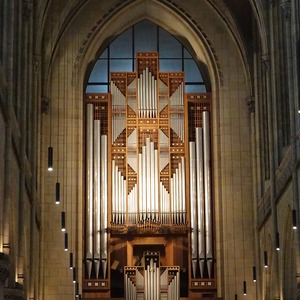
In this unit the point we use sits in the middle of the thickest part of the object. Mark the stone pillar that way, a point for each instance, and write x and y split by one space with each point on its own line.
4 273
270 104
251 110
287 13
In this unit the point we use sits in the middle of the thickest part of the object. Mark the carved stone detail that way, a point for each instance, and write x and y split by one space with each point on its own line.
251 104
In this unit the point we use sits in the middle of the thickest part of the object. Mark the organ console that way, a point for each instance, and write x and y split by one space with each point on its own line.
148 187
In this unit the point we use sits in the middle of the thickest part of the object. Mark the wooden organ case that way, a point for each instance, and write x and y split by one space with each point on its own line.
148 192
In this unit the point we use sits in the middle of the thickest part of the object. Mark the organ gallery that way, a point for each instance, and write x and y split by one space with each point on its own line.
148 187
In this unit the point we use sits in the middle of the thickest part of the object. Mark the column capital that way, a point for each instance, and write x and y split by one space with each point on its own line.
251 104
4 267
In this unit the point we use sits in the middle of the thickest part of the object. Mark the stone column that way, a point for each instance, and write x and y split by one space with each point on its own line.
270 104
251 110
287 13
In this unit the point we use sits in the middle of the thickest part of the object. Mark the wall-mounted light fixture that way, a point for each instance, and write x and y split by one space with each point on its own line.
66 242
294 218
50 159
266 259
254 274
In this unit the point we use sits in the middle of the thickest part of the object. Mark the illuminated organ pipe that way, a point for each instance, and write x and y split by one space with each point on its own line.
132 205
200 199
113 192
147 96
156 180
173 289
104 207
207 191
89 189
152 281
97 195
177 194
140 180
193 206
148 182
164 204
118 195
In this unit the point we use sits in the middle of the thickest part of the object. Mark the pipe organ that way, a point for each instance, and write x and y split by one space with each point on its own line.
148 188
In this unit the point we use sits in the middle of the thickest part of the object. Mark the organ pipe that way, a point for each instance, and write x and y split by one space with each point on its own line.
207 189
140 180
193 207
104 208
178 194
156 179
113 191
200 199
144 182
147 95
183 190
89 188
97 208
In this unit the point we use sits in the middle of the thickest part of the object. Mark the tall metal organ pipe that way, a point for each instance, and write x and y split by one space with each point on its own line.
113 193
148 182
193 209
97 194
89 188
200 199
177 194
207 189
104 207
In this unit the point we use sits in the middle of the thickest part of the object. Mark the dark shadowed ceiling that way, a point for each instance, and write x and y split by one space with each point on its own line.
242 12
